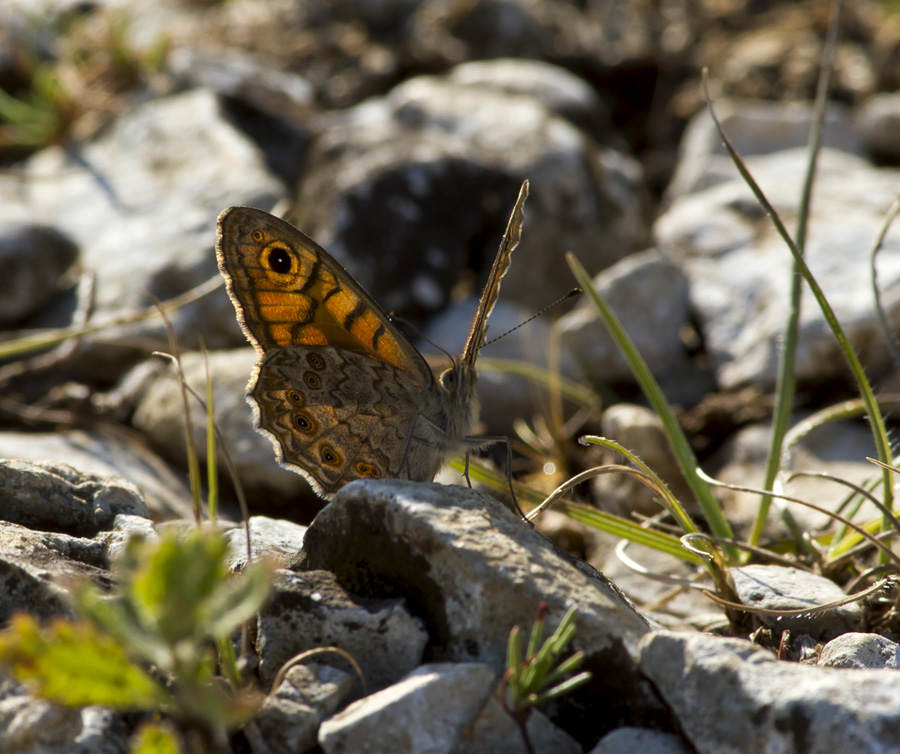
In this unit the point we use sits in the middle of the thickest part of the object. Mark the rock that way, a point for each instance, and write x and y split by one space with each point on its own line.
644 740
739 269
272 538
290 717
877 121
38 567
559 90
780 588
657 599
654 325
35 726
124 528
839 448
271 104
472 570
100 453
504 397
729 696
236 74
34 259
115 198
26 723
432 171
160 416
59 498
754 127
310 610
102 732
425 712
857 650
495 732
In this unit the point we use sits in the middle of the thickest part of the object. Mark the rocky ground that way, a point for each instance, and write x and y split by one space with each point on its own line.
397 134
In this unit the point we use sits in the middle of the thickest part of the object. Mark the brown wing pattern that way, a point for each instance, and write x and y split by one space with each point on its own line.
336 415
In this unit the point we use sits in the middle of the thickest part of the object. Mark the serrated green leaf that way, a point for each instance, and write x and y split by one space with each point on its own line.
237 599
172 584
77 665
116 617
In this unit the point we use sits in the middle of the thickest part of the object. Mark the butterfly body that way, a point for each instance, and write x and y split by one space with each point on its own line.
339 391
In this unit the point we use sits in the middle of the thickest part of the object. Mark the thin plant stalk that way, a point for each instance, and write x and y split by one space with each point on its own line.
876 292
212 471
876 420
680 446
785 385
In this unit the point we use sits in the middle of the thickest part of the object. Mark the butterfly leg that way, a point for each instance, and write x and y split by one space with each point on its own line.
512 492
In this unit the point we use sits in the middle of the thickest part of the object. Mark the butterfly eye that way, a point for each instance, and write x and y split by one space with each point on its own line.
330 456
302 422
279 260
295 396
312 380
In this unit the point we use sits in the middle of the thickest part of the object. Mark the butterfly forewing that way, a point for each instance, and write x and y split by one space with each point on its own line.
289 291
478 333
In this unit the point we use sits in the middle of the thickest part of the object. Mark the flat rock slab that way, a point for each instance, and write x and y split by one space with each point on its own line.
426 712
472 570
779 588
859 650
310 610
731 697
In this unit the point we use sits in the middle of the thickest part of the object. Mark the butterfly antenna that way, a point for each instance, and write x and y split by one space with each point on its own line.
402 320
571 294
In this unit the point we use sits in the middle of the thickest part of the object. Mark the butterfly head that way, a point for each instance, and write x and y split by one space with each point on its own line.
458 385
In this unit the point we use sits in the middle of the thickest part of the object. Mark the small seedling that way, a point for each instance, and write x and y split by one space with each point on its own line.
538 676
150 646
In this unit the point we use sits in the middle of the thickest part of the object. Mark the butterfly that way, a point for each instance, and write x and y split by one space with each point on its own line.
337 388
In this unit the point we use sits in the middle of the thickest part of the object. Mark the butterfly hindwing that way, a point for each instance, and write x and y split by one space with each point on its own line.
336 415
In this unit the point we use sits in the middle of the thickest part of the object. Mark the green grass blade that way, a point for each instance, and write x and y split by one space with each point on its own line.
677 440
570 389
876 420
785 385
670 501
625 529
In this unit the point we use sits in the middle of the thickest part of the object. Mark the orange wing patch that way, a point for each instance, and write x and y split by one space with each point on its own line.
291 292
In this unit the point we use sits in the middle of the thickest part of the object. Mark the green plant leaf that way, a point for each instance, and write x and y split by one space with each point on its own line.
173 581
75 664
218 705
238 599
155 738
